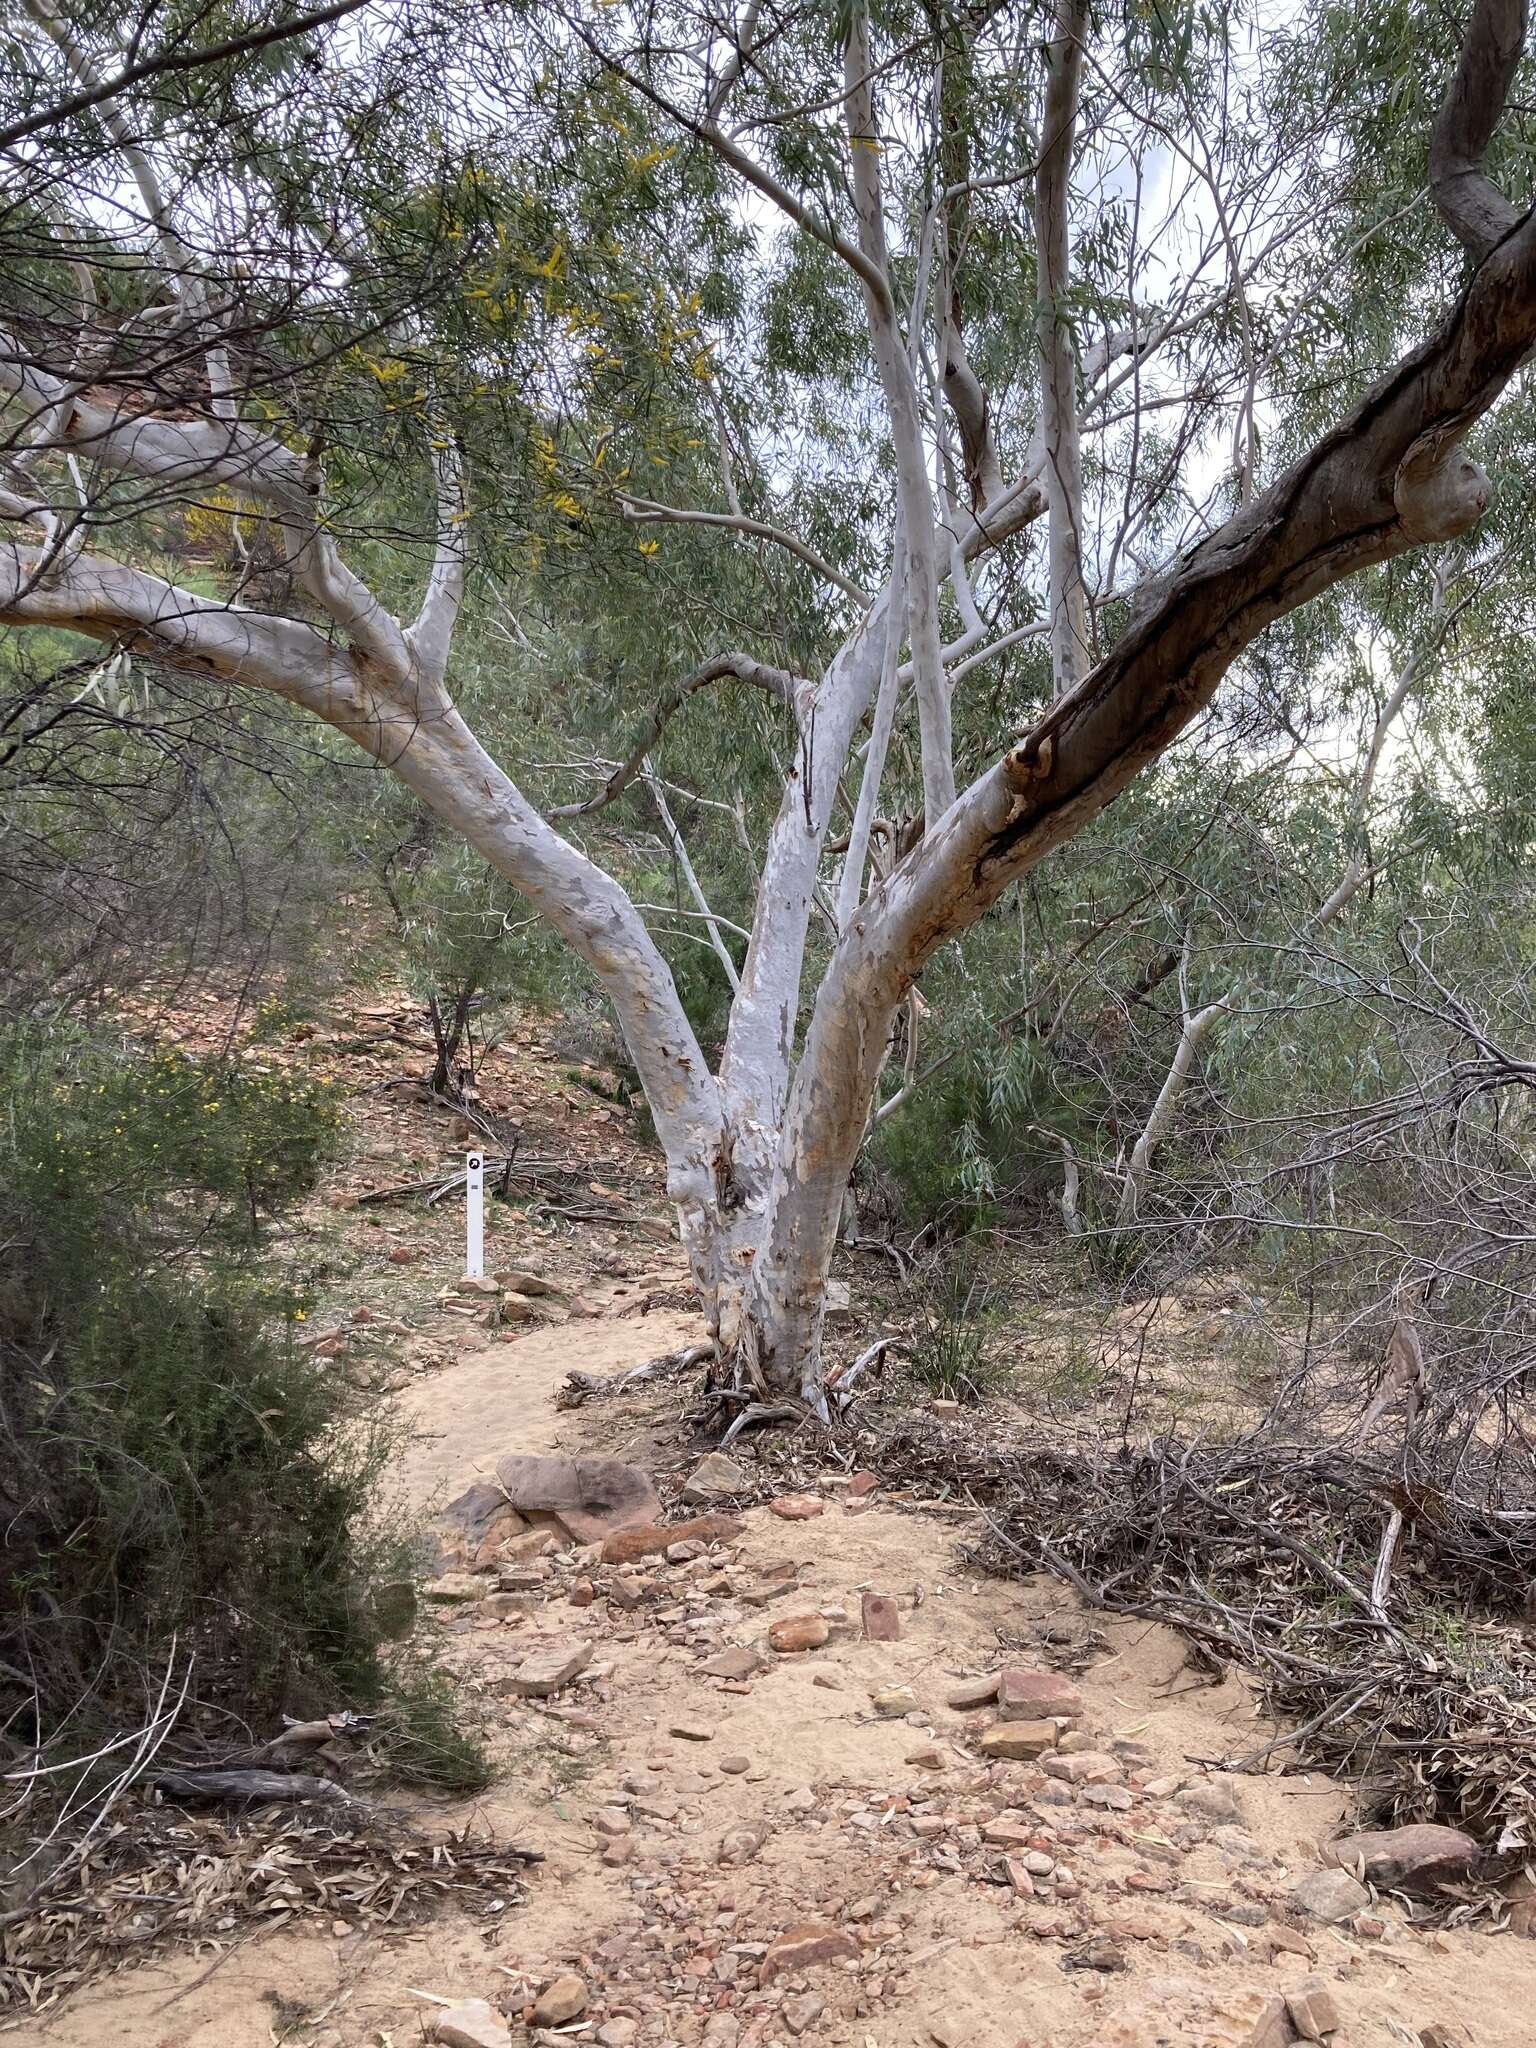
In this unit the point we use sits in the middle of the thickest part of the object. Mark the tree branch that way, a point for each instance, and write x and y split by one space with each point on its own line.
1058 370
169 61
431 632
647 512
777 682
1470 204
900 388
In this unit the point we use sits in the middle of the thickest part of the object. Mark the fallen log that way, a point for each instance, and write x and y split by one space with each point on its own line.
249 1788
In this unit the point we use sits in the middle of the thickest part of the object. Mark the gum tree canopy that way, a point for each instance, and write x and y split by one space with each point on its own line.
864 299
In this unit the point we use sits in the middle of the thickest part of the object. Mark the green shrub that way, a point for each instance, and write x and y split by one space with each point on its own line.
952 1356
173 1463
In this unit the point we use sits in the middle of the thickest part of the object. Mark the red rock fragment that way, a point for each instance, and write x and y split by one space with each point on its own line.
882 1623
802 1947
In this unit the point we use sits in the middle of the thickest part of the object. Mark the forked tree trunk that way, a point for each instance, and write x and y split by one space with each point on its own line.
758 1165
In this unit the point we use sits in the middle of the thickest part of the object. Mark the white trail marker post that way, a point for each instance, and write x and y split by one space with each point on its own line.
474 1216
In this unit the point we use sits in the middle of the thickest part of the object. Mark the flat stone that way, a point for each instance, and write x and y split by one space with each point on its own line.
546 1668
502 1606
1008 1834
974 1692
801 1948
714 1478
611 1820
837 1303
590 1497
1211 1798
617 2033
882 1623
1330 1896
1036 1695
734 1766
796 1507
802 2012
740 1845
1016 1741
795 1632
1407 1859
1114 1797
453 1587
894 1701
476 1523
474 2023
1272 2028
928 1758
649 1539
1312 2009
734 1663
563 1998
1084 1767
691 1731
534 1285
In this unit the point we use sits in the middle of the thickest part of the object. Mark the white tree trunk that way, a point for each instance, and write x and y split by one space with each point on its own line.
758 1164
899 386
1058 365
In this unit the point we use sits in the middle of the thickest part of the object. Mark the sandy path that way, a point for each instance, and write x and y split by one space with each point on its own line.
947 1959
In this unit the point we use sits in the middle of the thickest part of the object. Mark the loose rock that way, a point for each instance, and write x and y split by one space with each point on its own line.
714 1478
1272 2028
649 1539
796 1507
799 1948
975 1692
565 1998
589 1497
895 1701
802 2012
1312 2010
1033 1695
1018 1740
795 1632
735 1663
1410 1858
1330 1896
882 1623
475 2023
547 1668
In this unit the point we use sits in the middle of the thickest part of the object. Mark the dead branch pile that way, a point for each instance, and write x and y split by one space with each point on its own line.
156 1878
1383 1615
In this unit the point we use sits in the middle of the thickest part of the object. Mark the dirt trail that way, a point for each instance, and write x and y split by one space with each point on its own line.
1164 1930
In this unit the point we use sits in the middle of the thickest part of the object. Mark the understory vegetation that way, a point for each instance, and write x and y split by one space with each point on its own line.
197 1539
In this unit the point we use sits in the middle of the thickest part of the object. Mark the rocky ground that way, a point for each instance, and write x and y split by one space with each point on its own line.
798 1773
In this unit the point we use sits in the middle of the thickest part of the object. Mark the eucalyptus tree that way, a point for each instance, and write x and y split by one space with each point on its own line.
1044 272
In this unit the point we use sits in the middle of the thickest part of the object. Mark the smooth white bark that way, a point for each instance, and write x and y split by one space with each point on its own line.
899 385
1058 368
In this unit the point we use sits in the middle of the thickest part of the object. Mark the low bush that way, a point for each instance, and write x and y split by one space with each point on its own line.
173 1465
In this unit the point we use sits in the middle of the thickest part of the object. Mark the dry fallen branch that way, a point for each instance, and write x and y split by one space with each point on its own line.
1267 1552
160 1879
